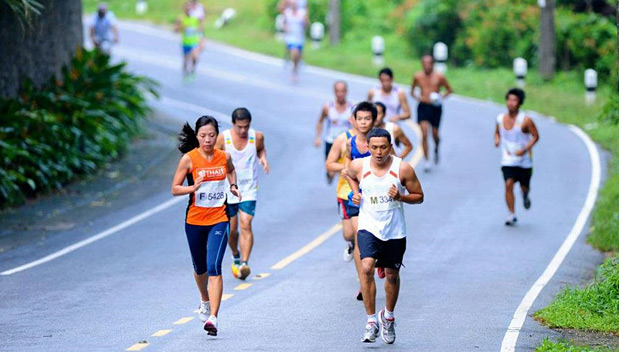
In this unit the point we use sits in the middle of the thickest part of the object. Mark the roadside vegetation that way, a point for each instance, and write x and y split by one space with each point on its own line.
565 346
482 45
68 127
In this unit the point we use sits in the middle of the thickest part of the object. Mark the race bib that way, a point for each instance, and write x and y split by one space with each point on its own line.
211 194
244 178
377 199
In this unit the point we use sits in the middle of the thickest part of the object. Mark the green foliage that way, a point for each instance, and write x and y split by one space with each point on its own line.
564 346
497 31
586 41
68 127
595 307
24 10
432 21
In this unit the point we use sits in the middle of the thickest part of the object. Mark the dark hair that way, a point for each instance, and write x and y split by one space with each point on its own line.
365 106
378 103
427 55
187 138
378 133
519 93
387 71
241 114
342 82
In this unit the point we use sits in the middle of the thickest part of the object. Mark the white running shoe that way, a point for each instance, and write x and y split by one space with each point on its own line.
387 329
204 311
211 326
427 165
371 331
511 220
348 251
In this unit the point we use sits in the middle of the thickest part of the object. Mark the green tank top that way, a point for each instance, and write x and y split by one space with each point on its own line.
191 32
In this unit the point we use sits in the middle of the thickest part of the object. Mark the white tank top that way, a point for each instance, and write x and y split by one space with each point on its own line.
513 140
379 214
246 165
337 122
391 101
389 128
295 33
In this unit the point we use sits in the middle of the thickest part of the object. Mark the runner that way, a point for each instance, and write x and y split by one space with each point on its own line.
336 163
246 147
284 4
206 223
190 28
391 96
387 182
197 11
103 30
430 108
397 135
517 134
295 23
336 114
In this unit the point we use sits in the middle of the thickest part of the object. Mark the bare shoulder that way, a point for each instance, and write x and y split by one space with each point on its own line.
406 171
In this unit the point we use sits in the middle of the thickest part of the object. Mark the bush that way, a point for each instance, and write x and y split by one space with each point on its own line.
497 31
586 41
68 127
432 21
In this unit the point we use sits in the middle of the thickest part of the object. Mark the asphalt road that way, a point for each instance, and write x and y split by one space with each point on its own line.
465 275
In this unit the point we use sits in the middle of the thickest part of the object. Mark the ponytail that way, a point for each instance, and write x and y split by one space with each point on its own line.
187 139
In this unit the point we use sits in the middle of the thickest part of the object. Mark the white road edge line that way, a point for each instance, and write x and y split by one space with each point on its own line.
513 331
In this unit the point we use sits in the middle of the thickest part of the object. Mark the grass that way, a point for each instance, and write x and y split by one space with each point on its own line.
565 346
593 307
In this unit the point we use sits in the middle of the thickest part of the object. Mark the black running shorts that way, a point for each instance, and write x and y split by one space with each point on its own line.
388 254
518 174
430 113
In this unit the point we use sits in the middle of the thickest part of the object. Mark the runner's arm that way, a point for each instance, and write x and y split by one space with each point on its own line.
321 120
234 188
262 152
529 126
178 25
400 136
219 144
411 183
92 35
497 135
184 166
414 85
352 177
371 95
332 164
406 111
447 86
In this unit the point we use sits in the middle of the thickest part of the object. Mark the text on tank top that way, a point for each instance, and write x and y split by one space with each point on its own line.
207 203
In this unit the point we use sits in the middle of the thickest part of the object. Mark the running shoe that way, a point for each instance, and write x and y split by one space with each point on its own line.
211 326
244 271
436 156
204 311
348 252
511 220
527 201
387 328
359 296
235 270
380 272
371 330
426 165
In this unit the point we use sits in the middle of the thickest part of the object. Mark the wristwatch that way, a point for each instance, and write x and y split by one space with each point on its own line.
234 185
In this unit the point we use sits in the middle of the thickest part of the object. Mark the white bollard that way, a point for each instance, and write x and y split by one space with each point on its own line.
226 16
317 33
520 70
378 48
591 83
440 54
141 7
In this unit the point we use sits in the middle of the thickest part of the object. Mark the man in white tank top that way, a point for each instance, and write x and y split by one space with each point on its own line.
387 184
336 117
296 22
392 96
516 134
397 135
247 150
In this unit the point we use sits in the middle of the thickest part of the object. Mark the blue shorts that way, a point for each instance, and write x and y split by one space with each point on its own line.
247 207
188 48
388 254
207 245
294 46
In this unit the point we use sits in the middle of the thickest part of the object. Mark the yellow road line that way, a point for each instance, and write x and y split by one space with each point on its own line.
183 320
226 296
307 248
161 333
137 347
242 287
261 276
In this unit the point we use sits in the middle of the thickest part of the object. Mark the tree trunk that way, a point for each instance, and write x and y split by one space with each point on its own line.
335 30
39 51
547 43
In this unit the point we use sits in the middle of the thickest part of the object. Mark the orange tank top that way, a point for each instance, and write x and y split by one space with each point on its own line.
207 205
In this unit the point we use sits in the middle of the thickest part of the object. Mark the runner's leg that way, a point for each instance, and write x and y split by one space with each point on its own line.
233 239
247 235
425 126
509 194
368 285
392 288
216 246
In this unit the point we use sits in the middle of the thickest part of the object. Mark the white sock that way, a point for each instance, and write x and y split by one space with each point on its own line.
388 314
372 318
